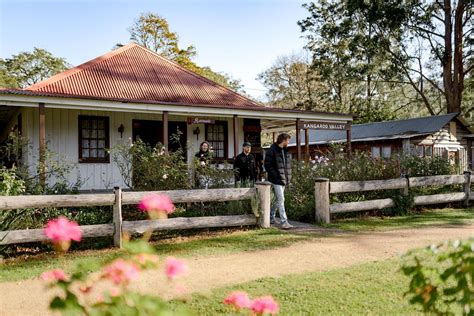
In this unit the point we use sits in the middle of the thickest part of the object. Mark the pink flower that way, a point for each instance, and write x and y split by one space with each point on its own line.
121 271
61 231
174 267
156 203
54 275
265 305
238 300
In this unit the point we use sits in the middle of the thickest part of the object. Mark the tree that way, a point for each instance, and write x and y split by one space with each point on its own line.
344 49
291 83
152 31
425 44
27 68
447 27
430 42
6 81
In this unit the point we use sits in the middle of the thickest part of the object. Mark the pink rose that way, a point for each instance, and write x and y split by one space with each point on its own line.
265 305
238 300
121 271
61 231
54 275
174 267
156 203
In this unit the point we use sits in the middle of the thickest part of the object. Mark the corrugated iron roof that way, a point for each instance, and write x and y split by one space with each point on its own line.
381 130
136 74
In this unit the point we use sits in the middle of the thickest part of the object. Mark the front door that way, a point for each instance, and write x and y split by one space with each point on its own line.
151 133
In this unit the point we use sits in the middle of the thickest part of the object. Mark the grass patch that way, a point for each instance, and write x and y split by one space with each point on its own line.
27 267
436 217
367 289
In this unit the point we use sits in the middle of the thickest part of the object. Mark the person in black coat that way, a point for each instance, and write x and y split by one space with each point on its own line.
245 166
278 167
204 155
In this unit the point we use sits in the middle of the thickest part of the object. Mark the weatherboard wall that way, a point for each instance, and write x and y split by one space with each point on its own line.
62 141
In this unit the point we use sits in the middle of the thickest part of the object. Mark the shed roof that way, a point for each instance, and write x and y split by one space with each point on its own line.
382 130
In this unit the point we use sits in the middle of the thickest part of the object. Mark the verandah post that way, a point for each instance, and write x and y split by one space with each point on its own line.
42 144
298 140
321 197
467 186
263 194
117 217
165 130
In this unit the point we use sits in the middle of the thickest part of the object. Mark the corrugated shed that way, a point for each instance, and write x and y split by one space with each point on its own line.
383 130
136 74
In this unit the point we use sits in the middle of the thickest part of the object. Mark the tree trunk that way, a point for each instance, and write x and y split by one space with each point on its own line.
458 75
448 57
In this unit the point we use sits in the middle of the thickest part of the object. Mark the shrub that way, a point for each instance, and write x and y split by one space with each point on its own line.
10 182
144 168
415 166
213 176
442 278
336 166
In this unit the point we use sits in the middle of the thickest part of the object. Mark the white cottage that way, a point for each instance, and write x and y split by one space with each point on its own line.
133 92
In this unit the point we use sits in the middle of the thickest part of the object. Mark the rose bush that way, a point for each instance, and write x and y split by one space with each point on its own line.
107 291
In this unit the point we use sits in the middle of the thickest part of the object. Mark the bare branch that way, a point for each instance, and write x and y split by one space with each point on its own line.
428 32
468 70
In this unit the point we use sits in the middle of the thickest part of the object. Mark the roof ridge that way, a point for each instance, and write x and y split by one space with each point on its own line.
198 75
408 119
80 67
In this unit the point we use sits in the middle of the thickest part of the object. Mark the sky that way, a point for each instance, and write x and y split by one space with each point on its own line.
241 38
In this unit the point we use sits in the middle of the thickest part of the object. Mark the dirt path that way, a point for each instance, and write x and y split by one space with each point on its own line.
207 273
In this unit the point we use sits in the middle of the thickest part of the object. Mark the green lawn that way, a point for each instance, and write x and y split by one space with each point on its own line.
29 267
367 289
435 217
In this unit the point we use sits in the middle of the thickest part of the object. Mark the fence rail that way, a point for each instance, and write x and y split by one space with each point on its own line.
323 189
261 191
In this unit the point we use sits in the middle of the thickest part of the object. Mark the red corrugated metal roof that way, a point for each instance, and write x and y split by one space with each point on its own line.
136 74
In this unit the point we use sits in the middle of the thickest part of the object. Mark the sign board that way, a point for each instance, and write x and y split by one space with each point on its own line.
323 125
197 120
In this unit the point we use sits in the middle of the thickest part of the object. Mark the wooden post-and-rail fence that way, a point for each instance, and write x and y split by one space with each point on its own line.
118 198
323 189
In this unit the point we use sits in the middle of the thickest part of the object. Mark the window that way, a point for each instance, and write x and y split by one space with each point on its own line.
216 135
386 152
376 152
93 139
428 151
418 151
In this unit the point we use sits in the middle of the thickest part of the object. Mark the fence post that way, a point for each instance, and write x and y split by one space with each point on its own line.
263 193
406 190
321 197
467 186
117 217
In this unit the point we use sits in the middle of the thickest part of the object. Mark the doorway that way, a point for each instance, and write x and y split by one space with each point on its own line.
151 133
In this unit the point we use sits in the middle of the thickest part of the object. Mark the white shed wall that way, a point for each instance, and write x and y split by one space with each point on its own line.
62 139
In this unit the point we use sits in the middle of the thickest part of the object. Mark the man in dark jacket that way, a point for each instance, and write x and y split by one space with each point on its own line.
278 167
245 166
